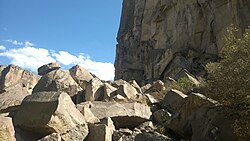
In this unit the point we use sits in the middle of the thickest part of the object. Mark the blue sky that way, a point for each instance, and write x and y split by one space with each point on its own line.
69 31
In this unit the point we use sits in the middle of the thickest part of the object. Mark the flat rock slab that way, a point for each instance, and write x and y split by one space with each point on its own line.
123 114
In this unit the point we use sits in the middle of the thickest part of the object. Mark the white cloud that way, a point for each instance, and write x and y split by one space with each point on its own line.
28 57
102 70
31 58
2 47
15 42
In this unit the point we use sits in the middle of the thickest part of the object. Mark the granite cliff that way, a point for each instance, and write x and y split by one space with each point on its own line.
162 38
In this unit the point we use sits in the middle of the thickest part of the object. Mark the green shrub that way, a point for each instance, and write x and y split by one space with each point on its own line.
229 81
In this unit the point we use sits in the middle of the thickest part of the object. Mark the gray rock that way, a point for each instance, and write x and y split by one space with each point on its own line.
122 114
48 68
7 132
94 90
173 100
52 137
161 116
60 80
200 118
13 75
48 112
109 91
127 91
80 75
158 39
11 99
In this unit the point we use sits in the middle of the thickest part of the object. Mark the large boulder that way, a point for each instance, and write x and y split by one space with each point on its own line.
94 90
80 75
60 80
48 68
13 75
173 100
109 91
200 118
101 132
123 114
12 98
127 91
48 112
7 132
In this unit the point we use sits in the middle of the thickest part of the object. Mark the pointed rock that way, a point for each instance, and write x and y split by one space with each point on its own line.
80 75
94 90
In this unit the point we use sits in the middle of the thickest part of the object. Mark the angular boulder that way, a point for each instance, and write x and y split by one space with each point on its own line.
52 137
101 132
127 91
13 75
80 75
48 68
122 114
94 90
173 100
200 118
11 99
161 116
7 132
48 112
60 80
109 91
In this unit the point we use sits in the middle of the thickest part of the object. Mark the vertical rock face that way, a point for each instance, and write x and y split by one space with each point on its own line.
160 38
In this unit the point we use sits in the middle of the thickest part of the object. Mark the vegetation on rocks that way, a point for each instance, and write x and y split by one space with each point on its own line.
229 81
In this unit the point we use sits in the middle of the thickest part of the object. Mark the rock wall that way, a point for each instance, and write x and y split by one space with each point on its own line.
160 38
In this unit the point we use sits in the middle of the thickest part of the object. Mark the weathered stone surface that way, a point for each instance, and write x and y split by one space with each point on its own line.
89 116
158 39
52 137
173 100
80 75
101 132
122 114
109 91
127 91
48 68
12 98
7 132
60 80
118 83
48 112
94 90
161 116
13 75
199 119
136 86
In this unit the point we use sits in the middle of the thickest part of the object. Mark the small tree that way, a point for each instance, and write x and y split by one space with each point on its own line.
229 81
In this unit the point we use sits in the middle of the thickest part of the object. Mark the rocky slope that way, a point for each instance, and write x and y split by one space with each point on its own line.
74 105
160 38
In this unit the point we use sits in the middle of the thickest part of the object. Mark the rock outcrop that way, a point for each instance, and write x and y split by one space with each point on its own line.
107 111
159 38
